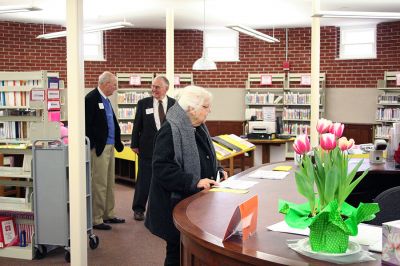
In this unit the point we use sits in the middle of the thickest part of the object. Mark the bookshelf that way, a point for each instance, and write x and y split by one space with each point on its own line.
131 88
296 115
264 95
388 104
297 103
181 80
24 118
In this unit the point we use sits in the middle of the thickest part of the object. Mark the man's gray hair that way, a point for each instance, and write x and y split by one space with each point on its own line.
164 79
192 96
105 77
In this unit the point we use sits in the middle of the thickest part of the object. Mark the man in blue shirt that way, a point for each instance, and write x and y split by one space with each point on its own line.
104 134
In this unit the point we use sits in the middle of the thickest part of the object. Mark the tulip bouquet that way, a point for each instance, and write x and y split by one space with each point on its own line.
330 219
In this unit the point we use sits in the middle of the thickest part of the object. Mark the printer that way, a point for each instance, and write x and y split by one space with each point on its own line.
261 129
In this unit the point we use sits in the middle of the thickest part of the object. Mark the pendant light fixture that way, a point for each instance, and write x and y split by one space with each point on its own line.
204 63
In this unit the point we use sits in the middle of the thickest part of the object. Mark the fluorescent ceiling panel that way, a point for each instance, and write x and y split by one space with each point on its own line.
253 33
109 26
355 14
4 10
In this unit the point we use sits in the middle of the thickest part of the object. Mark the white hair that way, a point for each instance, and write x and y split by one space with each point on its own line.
192 96
105 77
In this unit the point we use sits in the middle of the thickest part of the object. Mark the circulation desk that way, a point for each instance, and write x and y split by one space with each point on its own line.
203 218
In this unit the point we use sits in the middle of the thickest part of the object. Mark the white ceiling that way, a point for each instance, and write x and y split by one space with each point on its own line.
189 13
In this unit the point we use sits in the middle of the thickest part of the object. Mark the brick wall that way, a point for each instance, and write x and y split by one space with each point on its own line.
143 50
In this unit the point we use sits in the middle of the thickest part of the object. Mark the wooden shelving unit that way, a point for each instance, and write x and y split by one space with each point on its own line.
388 104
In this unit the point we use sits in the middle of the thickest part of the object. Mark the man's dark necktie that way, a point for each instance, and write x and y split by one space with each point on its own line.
161 112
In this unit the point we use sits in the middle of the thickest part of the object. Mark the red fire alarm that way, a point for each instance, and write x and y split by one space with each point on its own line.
286 65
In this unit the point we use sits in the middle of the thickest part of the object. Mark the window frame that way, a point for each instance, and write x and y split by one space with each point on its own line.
342 44
100 56
234 56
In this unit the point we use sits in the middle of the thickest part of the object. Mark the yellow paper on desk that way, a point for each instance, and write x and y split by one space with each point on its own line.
284 168
221 189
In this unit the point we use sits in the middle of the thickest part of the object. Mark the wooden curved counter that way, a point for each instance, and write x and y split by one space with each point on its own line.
203 218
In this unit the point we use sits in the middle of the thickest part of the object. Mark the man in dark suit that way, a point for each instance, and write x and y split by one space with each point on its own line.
104 134
150 114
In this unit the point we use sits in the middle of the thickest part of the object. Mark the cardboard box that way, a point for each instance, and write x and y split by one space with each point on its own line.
8 232
391 243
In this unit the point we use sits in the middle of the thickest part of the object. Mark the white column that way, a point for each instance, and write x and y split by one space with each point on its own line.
76 133
169 31
315 51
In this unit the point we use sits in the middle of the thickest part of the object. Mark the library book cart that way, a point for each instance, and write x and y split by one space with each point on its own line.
51 196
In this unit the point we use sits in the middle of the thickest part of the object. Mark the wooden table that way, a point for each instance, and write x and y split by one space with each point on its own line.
266 146
203 218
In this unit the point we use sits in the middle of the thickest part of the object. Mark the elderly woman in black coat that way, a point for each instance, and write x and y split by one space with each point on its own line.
184 162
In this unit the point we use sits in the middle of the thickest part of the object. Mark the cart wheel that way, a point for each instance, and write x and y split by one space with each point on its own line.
67 256
93 241
40 252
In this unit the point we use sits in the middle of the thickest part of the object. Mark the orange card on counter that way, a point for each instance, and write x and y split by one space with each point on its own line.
244 219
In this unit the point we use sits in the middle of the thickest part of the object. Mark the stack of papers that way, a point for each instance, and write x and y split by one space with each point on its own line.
266 174
236 184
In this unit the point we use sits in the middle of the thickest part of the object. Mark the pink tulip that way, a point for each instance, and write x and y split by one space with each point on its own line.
323 125
327 141
337 129
345 144
301 144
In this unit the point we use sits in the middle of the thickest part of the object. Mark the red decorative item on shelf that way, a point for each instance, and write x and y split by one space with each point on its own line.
397 155
8 232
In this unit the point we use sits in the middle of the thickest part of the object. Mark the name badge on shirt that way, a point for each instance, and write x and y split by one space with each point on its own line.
149 111
101 106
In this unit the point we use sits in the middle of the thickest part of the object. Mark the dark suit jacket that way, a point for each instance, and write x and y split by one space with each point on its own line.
96 124
170 177
144 127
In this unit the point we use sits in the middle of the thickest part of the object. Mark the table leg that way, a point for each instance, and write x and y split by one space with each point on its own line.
231 169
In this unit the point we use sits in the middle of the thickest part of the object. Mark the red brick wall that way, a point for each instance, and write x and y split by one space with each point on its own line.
143 50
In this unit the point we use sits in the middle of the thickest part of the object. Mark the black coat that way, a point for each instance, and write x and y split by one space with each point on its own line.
144 127
96 124
169 177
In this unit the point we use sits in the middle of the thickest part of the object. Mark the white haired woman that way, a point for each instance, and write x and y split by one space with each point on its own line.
184 162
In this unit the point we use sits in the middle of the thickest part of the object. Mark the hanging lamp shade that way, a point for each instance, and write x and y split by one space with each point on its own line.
204 63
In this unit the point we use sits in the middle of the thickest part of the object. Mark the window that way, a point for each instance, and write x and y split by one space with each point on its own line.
358 42
93 46
222 45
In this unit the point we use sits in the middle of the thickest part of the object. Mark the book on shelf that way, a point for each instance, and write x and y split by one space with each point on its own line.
278 99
